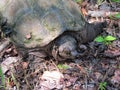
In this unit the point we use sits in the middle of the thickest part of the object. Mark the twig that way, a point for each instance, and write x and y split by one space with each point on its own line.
27 83
106 74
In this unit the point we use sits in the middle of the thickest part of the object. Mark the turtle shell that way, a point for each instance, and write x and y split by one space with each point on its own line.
38 22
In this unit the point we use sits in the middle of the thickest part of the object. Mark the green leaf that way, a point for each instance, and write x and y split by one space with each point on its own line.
65 66
109 38
61 66
2 77
78 1
99 2
115 0
117 15
107 42
99 39
111 17
102 85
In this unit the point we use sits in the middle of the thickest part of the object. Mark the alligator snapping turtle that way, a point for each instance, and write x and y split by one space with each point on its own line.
56 27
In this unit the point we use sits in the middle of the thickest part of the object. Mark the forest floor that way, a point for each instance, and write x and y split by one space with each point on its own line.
99 69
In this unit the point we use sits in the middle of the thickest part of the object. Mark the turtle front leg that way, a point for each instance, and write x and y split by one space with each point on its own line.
91 31
65 48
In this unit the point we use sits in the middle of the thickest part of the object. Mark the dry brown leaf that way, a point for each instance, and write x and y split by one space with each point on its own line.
24 65
51 80
112 53
7 64
84 12
116 77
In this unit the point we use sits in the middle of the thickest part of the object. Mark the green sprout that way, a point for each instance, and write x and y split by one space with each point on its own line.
116 16
99 2
115 1
2 79
61 66
102 85
105 39
78 1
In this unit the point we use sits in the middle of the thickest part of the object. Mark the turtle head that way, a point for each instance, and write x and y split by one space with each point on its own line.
66 48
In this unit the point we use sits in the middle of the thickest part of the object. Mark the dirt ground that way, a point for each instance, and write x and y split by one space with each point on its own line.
98 69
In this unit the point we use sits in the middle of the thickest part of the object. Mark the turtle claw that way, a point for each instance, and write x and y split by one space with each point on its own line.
82 50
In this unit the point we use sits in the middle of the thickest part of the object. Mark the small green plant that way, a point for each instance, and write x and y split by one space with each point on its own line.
2 79
61 66
116 16
99 2
115 1
78 1
105 39
102 85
